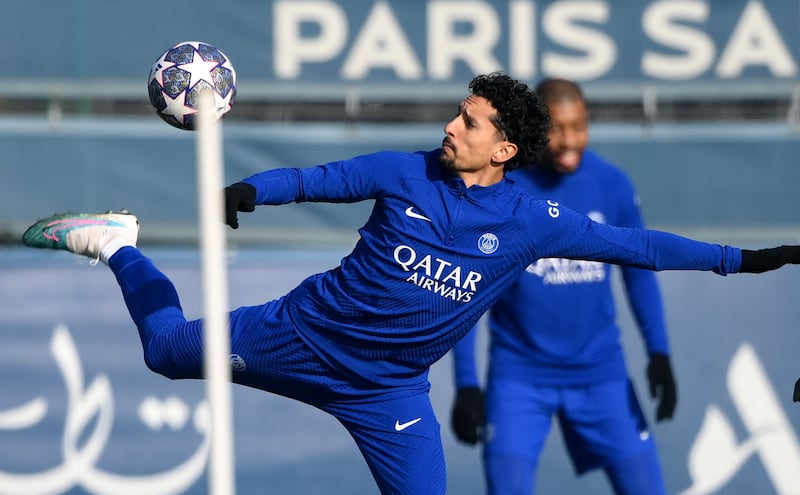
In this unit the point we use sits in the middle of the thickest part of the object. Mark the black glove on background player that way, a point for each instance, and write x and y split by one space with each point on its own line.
238 197
796 397
662 384
468 415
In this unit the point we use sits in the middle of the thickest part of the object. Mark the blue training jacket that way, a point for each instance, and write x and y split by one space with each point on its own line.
434 255
556 325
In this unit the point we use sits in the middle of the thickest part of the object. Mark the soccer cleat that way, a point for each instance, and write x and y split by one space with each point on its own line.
82 233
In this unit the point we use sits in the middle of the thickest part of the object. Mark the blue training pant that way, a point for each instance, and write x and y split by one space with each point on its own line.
602 425
394 428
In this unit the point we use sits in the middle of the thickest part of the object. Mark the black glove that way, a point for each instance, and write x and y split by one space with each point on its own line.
662 383
797 391
238 197
468 415
763 260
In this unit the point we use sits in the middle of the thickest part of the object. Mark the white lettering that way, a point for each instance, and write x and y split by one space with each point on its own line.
472 279
699 51
559 24
522 50
404 256
292 49
87 428
442 265
424 264
381 43
553 211
762 415
436 275
558 271
446 46
454 275
683 42
444 290
756 41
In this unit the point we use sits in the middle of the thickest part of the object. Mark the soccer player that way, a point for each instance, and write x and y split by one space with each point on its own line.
448 234
554 344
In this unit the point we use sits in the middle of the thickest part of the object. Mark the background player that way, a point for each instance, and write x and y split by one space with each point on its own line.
555 346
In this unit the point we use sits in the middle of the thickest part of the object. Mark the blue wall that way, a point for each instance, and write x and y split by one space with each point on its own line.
410 45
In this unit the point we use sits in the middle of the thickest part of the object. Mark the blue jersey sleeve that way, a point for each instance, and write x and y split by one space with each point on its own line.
277 186
345 181
567 234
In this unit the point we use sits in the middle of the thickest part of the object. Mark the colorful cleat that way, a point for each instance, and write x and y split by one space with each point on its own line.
82 233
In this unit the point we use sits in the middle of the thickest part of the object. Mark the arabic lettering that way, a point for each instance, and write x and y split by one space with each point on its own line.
81 449
23 416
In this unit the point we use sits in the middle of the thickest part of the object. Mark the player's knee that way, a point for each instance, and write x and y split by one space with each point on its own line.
640 473
157 362
509 474
163 360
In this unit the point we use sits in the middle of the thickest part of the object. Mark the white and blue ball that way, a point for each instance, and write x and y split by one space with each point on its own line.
181 73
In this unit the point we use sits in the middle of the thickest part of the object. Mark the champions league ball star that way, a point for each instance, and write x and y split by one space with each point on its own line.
181 73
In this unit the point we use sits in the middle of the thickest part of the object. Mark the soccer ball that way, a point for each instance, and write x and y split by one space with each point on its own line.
181 73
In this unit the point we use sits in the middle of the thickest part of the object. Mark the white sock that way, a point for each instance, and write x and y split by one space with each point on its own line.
112 246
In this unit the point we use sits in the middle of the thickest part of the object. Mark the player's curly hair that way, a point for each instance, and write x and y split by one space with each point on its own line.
521 116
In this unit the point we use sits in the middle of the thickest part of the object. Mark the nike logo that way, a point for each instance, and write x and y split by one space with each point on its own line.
413 214
398 426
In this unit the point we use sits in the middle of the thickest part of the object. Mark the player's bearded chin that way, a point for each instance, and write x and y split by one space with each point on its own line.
447 163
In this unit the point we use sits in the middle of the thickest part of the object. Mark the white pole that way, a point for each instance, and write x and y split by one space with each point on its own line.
215 297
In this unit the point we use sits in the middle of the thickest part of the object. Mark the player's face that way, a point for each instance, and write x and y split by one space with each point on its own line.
473 145
569 135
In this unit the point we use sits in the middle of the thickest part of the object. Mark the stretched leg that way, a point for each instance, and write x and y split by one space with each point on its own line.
172 346
396 430
268 352
518 418
399 438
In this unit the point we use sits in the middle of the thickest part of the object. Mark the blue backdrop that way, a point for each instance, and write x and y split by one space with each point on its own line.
401 43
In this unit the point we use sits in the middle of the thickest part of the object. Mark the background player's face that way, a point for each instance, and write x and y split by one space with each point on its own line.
569 135
471 140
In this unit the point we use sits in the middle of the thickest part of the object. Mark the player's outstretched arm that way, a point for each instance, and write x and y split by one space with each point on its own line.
238 197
